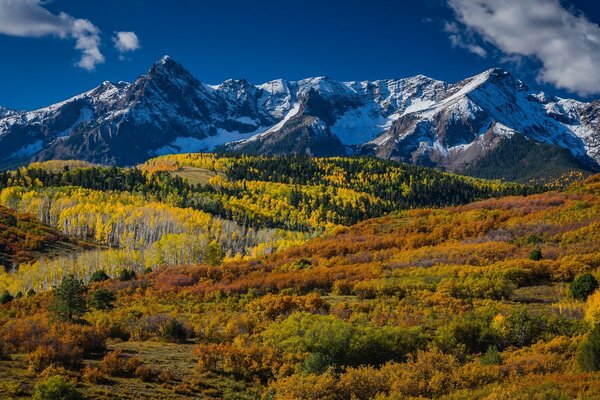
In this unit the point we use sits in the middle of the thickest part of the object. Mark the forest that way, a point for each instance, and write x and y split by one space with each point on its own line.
237 277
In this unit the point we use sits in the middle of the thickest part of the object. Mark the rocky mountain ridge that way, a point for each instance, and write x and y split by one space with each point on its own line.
418 119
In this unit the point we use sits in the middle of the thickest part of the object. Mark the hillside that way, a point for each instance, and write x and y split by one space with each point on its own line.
242 207
517 159
471 301
23 239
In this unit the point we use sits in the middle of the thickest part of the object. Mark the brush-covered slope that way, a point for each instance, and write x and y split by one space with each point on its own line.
470 301
23 238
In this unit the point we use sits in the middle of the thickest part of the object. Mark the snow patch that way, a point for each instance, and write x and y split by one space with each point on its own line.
359 126
28 150
185 144
274 128
85 115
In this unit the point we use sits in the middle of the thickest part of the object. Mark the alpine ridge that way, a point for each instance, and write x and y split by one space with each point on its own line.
418 120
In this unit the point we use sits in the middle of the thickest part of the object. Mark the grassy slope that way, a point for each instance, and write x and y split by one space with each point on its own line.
195 176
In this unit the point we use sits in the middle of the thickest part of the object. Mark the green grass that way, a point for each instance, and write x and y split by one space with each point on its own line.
196 176
546 294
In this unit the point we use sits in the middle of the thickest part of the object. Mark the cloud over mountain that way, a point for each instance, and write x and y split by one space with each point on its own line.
565 42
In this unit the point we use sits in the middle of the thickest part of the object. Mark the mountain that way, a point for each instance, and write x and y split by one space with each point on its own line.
418 120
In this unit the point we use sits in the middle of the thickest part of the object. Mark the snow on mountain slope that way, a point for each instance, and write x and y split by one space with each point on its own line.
415 119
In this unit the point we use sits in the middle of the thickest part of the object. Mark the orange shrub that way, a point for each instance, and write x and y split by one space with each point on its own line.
115 364
92 375
64 353
243 359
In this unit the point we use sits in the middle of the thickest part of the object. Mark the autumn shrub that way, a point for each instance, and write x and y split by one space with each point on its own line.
90 339
494 285
146 373
115 363
540 358
428 374
93 375
566 269
238 324
56 388
25 334
365 290
64 353
523 326
342 288
271 306
65 345
53 370
362 383
243 359
307 387
166 376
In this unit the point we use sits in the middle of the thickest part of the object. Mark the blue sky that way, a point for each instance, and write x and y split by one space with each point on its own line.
53 50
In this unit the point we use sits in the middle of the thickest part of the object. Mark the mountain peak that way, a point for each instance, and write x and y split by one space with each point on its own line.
167 69
167 64
496 71
164 59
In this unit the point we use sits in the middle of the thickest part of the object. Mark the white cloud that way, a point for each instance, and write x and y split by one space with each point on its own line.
566 44
28 18
126 41
463 40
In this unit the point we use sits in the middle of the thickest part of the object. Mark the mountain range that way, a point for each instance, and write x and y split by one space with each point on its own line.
421 120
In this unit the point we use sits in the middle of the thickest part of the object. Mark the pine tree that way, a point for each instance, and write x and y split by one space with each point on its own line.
589 353
68 302
583 286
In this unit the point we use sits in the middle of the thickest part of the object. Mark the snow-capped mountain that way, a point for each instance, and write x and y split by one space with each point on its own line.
416 119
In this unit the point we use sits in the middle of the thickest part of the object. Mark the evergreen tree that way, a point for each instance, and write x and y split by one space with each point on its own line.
99 276
5 297
535 255
583 286
589 352
102 299
68 302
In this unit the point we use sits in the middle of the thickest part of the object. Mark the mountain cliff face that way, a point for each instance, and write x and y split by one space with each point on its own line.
418 119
